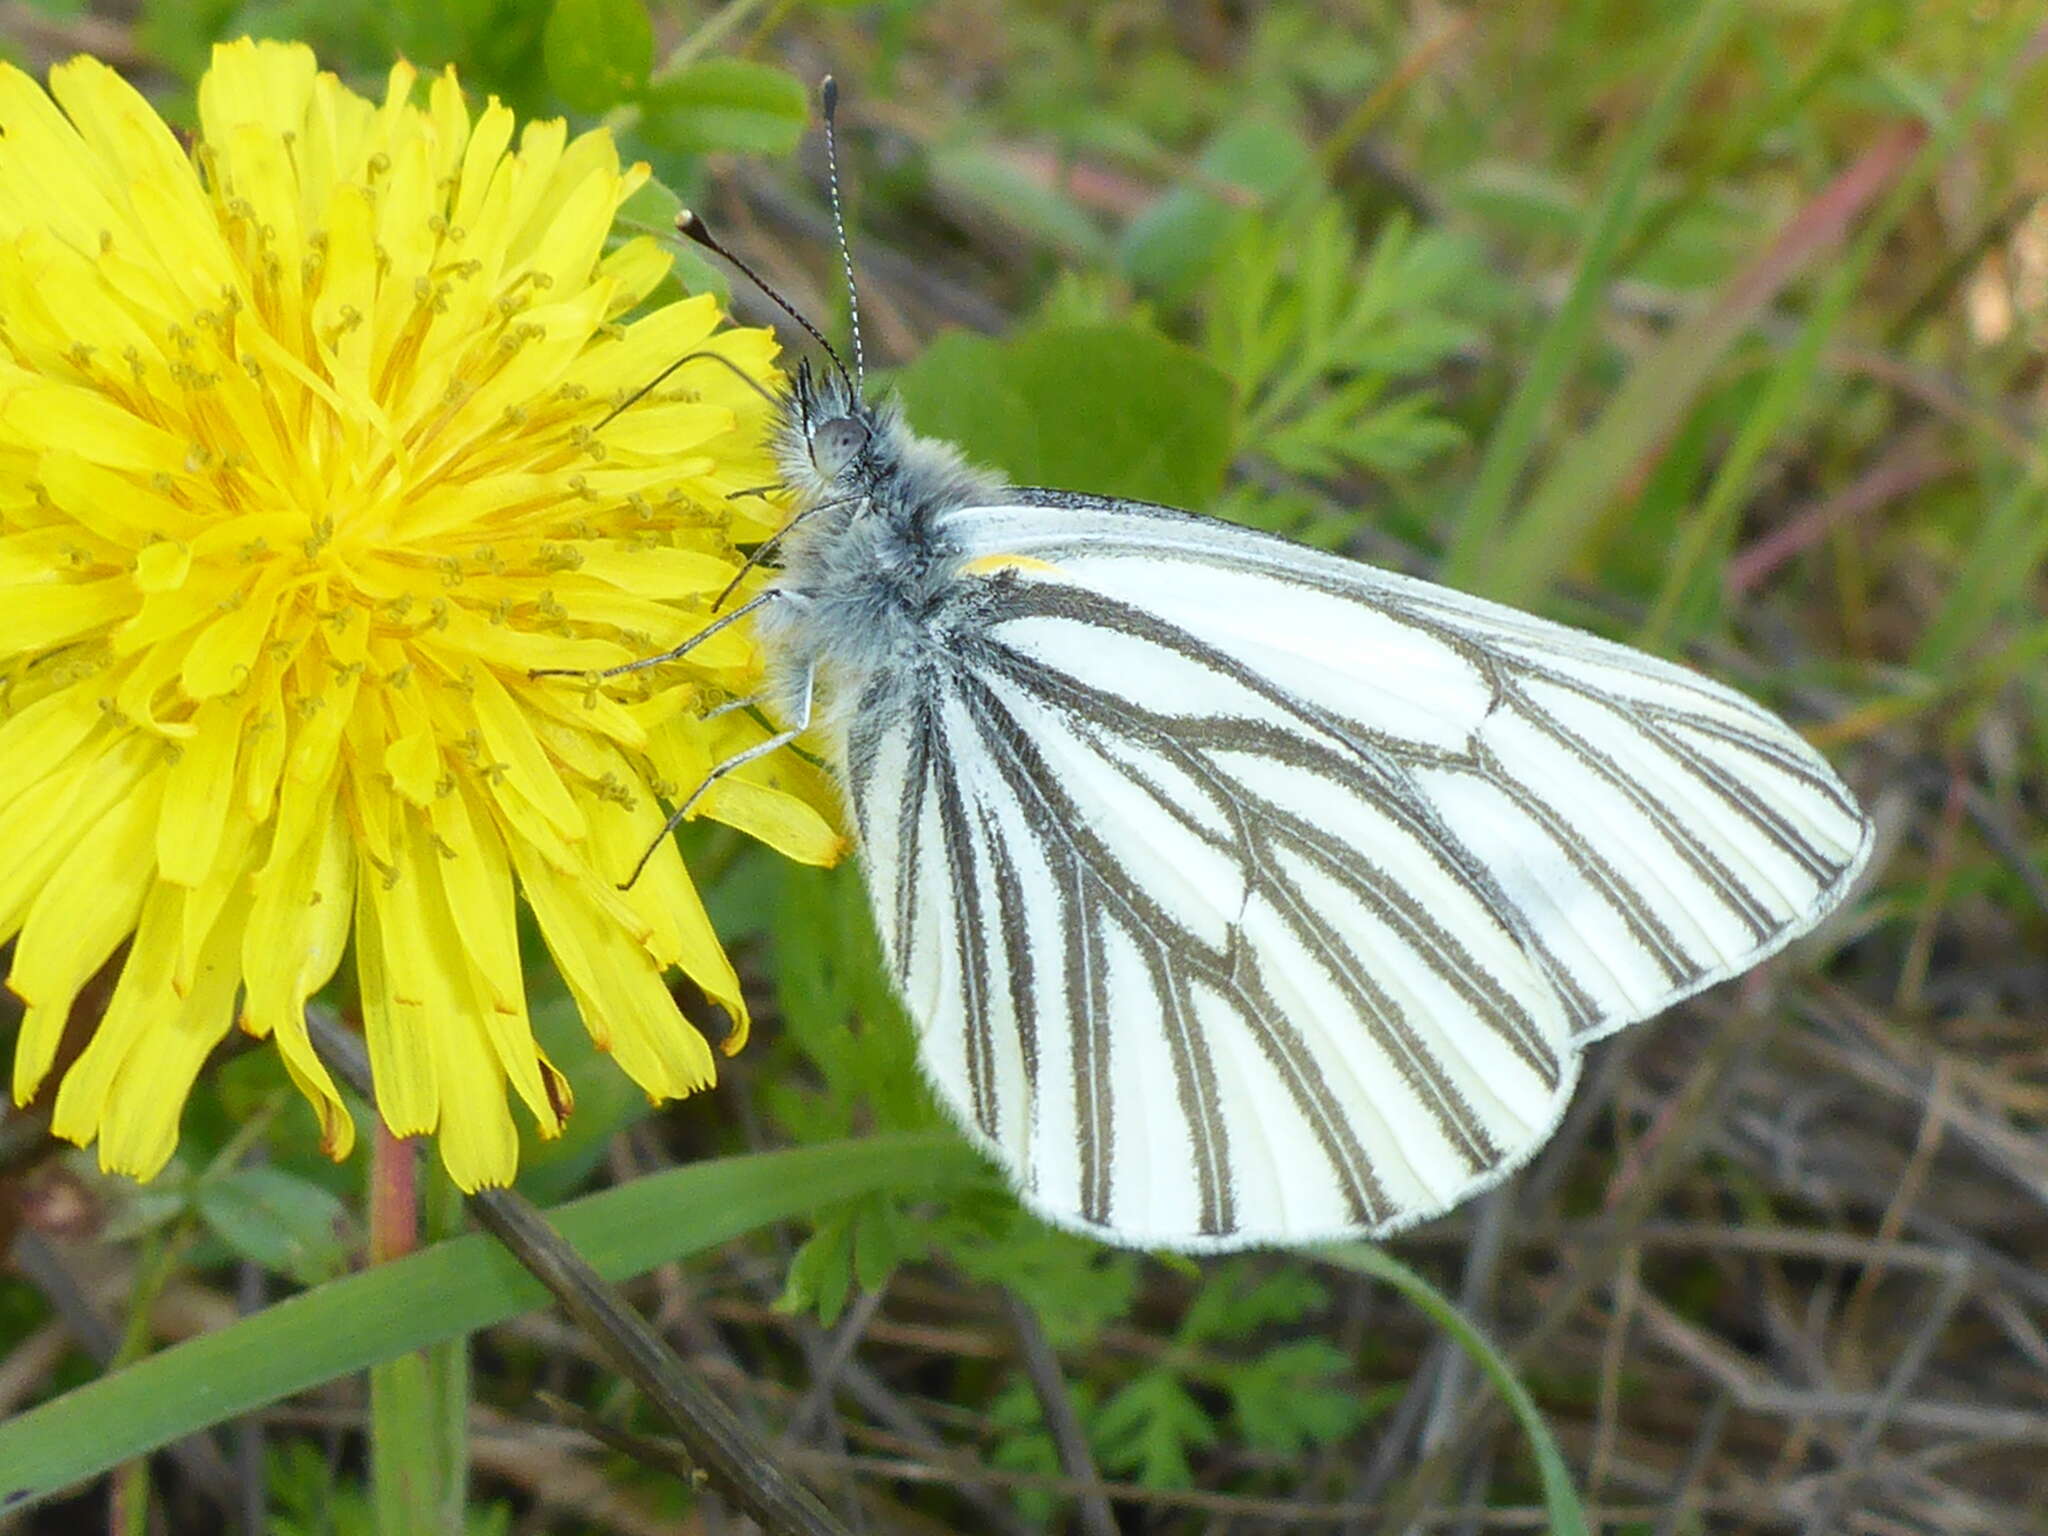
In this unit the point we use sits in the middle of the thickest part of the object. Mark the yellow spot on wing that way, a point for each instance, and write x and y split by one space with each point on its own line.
988 565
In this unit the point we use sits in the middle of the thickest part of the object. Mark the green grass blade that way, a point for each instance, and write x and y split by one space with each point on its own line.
2009 546
1560 1498
1702 546
1568 503
406 1481
1470 562
1908 157
440 1293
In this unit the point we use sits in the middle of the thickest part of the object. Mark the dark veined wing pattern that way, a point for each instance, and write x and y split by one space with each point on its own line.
1242 894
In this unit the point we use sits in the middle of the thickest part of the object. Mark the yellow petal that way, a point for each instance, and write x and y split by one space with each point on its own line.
477 877
478 1144
510 739
197 791
401 1058
324 703
163 566
298 925
774 799
140 1108
223 654
119 507
679 930
661 573
264 748
117 122
635 269
651 343
225 885
488 138
143 992
56 182
89 903
88 424
45 615
617 986
267 83
46 735
575 231
39 826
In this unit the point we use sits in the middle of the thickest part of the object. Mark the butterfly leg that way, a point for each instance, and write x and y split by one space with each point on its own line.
799 723
734 706
760 552
767 547
760 600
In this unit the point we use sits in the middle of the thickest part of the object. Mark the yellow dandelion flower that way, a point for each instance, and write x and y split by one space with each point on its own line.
299 478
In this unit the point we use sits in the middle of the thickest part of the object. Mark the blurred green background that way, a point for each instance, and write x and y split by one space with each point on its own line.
1714 327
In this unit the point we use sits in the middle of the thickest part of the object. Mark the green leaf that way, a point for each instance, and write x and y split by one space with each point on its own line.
1114 409
651 210
407 1479
820 1277
1147 1429
1297 1396
1345 429
278 1220
1171 244
307 1499
1319 339
441 1292
839 1008
1075 1285
598 52
1004 190
860 1243
883 1238
1240 1298
725 104
1527 201
1906 163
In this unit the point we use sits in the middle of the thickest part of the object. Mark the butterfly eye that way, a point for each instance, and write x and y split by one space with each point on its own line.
837 443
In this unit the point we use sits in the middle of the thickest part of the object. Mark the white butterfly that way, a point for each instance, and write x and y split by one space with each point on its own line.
1239 893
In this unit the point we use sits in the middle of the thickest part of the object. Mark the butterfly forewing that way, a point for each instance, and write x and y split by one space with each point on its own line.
1609 792
1242 894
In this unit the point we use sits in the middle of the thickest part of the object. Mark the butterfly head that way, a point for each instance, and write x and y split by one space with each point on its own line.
827 436
838 444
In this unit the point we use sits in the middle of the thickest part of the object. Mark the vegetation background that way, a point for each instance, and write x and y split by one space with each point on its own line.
1715 326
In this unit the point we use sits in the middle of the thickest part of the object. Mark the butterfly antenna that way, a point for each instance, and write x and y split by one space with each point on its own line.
690 227
828 92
